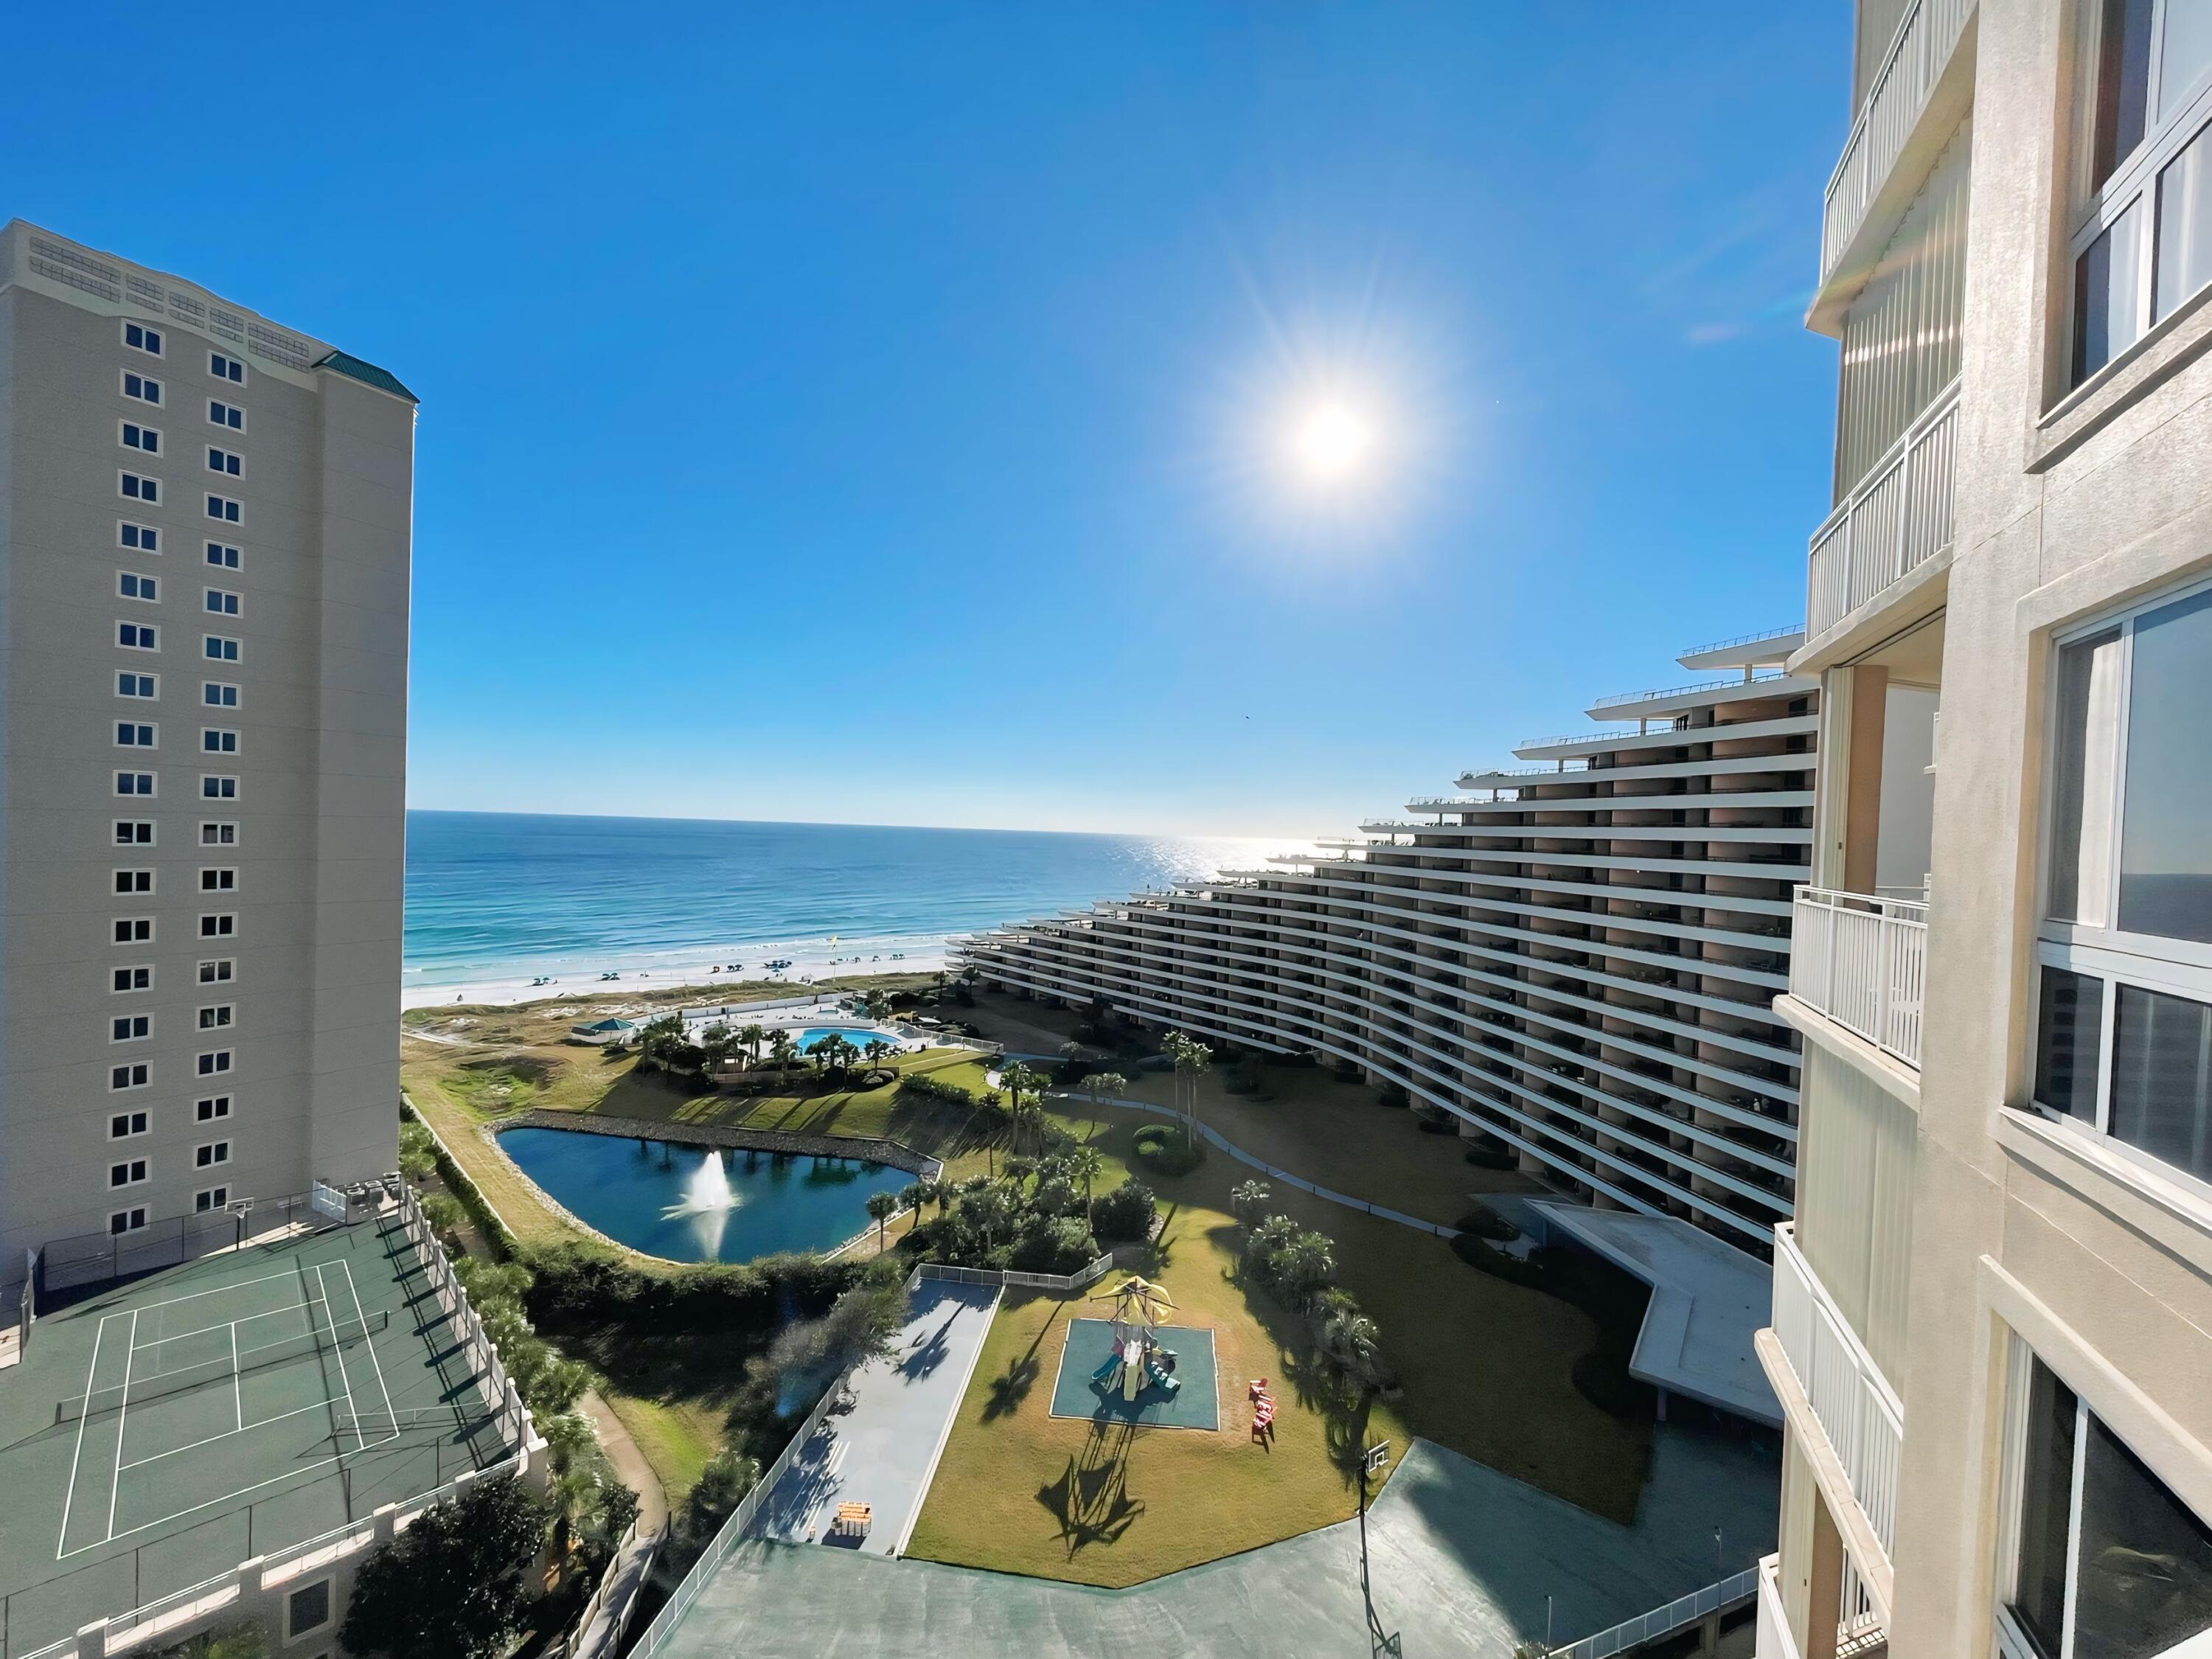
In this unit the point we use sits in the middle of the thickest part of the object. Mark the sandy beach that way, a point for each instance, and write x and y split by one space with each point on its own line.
810 959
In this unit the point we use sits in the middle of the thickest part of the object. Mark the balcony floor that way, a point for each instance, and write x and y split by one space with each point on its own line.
1707 1300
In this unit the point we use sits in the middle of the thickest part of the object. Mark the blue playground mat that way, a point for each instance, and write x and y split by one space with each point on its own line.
1196 1405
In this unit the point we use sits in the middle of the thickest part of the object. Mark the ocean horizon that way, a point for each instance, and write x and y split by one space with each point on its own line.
502 898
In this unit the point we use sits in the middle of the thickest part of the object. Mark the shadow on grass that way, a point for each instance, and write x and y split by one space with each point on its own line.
1012 1386
1091 1501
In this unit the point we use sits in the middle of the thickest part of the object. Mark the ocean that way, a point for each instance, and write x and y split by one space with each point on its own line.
502 899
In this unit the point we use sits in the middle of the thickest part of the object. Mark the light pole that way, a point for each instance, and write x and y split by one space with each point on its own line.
1371 1460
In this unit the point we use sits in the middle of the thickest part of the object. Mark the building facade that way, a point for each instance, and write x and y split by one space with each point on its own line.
1992 1321
205 542
1578 958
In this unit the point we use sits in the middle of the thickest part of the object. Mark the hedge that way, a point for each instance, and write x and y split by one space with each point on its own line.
462 1187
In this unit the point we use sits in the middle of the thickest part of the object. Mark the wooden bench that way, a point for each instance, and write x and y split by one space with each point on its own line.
853 1518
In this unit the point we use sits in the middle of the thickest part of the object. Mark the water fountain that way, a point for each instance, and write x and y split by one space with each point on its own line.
708 1201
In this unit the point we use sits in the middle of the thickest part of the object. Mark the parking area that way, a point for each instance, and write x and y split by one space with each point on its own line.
882 1451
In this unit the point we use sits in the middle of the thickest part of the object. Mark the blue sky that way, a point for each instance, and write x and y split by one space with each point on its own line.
874 413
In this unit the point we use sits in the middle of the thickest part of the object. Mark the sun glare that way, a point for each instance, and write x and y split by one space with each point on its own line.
1333 441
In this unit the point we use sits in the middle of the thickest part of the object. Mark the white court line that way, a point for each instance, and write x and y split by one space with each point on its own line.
122 1416
229 1324
352 1410
217 1289
84 1415
346 1269
228 1434
237 1382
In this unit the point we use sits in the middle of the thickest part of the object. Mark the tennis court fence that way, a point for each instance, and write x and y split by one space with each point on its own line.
160 1380
65 1264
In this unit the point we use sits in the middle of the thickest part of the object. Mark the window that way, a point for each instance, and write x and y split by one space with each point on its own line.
226 368
134 783
130 1028
221 602
216 648
215 1016
132 979
137 487
221 557
128 684
228 462
228 416
210 1154
218 970
127 1221
2142 241
134 832
212 1109
218 834
2124 975
138 636
139 337
131 735
212 1198
134 881
218 881
142 387
138 538
307 1608
214 788
127 1077
214 742
144 439
2106 1562
134 930
215 1062
132 586
223 508
129 1173
215 694
122 1125
214 926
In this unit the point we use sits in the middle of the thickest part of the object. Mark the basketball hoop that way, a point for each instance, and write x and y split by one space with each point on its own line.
1374 1457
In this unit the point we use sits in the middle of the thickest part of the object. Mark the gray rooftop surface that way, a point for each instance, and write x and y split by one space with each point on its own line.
1463 1558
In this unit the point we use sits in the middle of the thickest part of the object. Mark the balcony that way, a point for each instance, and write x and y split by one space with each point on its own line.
1896 519
1862 962
1917 52
1862 1417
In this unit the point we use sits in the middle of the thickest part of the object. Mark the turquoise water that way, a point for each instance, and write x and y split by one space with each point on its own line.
631 1190
858 1035
500 894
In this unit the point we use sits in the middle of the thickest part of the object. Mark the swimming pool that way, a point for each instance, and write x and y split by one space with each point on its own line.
858 1035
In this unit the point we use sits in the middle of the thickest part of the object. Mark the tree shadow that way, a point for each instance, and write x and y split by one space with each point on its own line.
1091 1500
1012 1387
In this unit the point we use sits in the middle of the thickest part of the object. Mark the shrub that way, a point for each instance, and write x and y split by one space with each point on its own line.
1485 1223
721 1487
1164 1151
1436 1123
1126 1214
1490 1157
578 1285
923 1086
1053 1244
1391 1094
451 1586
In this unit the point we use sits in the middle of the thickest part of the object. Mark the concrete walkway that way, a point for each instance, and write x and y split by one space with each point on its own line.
884 1450
630 1466
1463 1560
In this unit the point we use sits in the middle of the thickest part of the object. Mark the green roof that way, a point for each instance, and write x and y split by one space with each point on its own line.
368 374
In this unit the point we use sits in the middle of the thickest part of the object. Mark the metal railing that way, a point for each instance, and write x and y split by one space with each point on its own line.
1898 519
1010 1280
1620 699
1857 1410
1918 52
1759 638
1862 962
1683 1610
1776 1639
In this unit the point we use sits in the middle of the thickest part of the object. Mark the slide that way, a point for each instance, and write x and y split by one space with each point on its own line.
1132 1382
1104 1374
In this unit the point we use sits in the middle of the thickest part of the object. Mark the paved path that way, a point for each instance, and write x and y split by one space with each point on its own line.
883 1452
630 1466
1463 1559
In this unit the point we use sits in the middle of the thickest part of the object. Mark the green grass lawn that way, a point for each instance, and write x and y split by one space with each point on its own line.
1487 1369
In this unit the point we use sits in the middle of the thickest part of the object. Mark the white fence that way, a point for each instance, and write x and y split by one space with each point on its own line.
664 1622
1664 1621
1898 519
512 1416
1858 1411
1862 962
1918 52
1090 1275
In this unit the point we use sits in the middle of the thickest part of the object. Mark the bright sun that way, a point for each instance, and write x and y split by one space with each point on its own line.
1332 442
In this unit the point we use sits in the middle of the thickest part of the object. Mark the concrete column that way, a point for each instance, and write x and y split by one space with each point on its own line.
1823 1597
1862 826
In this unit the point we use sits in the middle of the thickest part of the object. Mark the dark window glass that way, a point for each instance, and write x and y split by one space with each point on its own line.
2123 86
2166 853
2046 1512
2107 291
2145 1575
2162 1078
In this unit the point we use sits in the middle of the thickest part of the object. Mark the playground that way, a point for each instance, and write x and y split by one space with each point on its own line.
161 1432
1136 1367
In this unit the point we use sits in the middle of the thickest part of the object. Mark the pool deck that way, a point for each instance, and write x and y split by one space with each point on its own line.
1463 1560
884 1451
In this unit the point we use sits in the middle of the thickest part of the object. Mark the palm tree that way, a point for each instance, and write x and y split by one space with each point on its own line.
1248 1203
1309 1264
1085 1165
914 1195
875 1050
1350 1342
1191 1057
1014 1078
1019 1170
881 1207
992 1101
779 1048
991 1209
1099 1084
753 1036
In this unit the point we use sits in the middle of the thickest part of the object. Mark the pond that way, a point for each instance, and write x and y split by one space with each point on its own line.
696 1204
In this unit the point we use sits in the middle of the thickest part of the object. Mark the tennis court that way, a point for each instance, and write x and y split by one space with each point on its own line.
161 1434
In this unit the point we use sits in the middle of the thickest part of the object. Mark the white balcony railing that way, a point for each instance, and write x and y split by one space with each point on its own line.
1896 518
1918 52
1862 1417
1862 962
1774 1639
